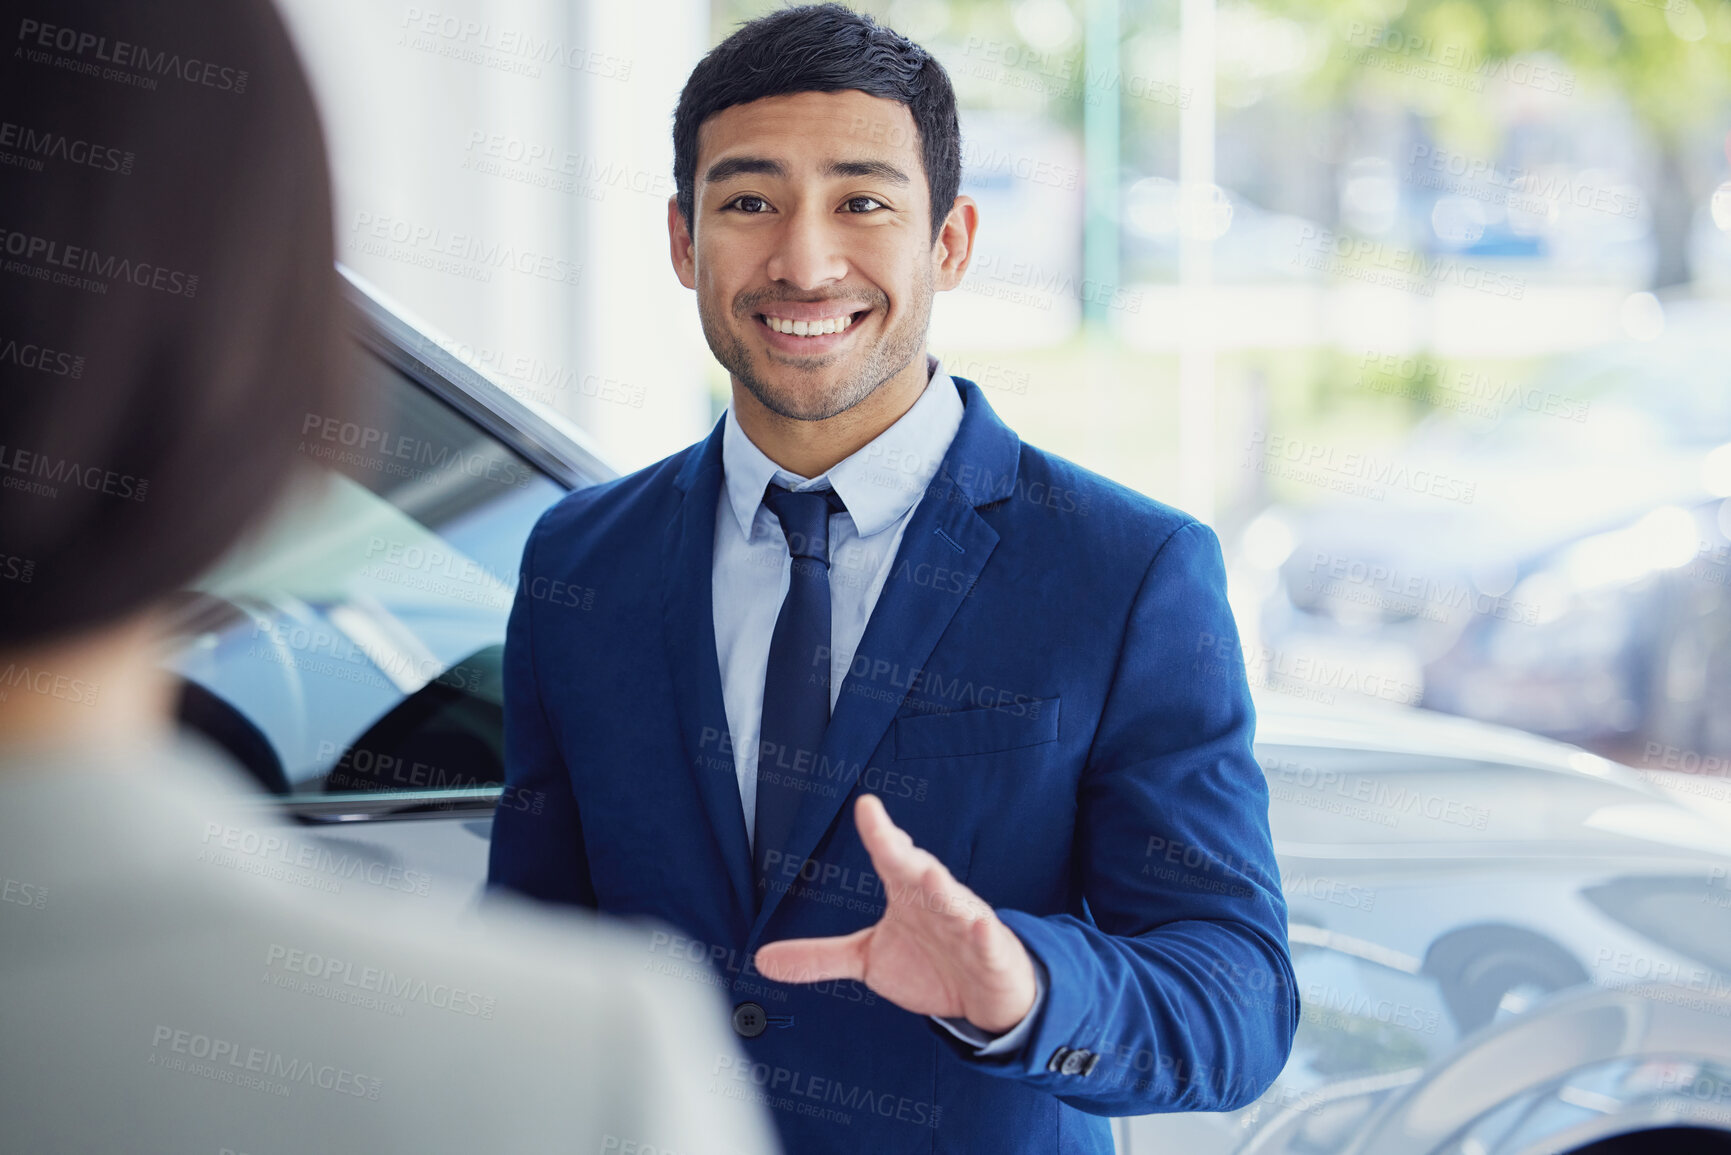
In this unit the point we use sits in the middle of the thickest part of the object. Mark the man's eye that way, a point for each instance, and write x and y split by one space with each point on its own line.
748 204
854 202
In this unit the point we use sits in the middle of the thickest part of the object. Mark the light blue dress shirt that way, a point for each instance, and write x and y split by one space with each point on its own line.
880 484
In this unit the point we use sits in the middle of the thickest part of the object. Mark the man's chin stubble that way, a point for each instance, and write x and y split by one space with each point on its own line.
735 357
816 408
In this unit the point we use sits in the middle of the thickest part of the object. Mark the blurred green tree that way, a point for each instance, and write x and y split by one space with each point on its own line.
1668 60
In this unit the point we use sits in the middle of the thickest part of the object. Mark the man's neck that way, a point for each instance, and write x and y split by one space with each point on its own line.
810 448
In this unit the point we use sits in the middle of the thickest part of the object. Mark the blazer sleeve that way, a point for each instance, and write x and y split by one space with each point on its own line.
1177 993
537 845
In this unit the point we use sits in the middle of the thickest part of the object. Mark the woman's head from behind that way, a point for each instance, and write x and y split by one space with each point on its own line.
167 296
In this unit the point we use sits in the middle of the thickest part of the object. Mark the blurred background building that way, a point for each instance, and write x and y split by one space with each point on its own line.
1422 303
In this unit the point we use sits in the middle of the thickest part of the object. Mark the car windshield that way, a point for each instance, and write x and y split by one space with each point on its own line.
374 600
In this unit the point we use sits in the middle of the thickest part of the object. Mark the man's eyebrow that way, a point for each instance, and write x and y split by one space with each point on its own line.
883 170
745 165
764 166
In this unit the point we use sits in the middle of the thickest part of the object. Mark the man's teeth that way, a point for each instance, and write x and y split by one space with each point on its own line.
808 328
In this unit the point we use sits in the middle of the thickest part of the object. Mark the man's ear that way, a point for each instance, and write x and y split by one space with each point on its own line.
681 247
955 244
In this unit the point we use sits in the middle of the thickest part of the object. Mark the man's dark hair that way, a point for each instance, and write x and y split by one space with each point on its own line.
169 309
822 48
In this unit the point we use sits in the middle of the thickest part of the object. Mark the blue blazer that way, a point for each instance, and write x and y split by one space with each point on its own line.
1044 698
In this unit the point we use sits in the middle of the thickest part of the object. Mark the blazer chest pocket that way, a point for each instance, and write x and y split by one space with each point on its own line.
977 731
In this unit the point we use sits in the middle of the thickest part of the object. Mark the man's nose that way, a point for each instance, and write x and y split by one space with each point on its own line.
807 251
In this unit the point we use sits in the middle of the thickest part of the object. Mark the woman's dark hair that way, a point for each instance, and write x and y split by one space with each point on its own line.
822 48
168 298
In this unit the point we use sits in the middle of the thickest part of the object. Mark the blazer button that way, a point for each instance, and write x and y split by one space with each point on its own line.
1088 1067
1073 1062
749 1020
1057 1059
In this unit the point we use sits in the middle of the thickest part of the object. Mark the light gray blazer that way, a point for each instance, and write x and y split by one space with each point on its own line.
172 980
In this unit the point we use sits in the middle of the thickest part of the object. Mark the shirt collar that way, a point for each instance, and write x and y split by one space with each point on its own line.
879 482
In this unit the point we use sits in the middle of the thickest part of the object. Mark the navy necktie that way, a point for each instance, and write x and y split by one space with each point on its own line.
796 688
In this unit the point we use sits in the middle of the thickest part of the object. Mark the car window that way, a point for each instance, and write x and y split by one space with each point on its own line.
354 644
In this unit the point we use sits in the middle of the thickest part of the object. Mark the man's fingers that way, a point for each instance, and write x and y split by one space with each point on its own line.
912 876
989 946
930 892
875 824
812 960
893 853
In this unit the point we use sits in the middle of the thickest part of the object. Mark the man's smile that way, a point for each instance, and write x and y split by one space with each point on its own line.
807 328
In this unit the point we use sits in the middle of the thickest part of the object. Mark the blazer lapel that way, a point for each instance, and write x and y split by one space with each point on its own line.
946 535
687 554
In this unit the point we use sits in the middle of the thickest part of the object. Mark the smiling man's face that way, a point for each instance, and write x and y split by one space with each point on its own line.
813 259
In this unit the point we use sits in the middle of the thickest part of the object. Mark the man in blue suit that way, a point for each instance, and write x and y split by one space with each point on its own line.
917 733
